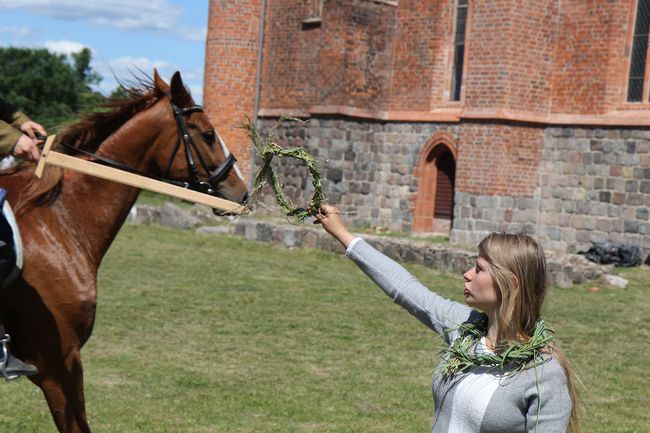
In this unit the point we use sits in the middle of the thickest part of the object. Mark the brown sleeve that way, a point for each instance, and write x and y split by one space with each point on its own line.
8 138
9 114
18 119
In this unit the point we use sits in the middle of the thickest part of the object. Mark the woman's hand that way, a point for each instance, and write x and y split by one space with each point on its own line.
330 218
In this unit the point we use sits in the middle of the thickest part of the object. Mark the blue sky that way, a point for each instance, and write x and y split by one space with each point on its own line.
123 34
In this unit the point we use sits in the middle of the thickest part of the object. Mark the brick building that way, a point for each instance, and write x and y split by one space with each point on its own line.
463 115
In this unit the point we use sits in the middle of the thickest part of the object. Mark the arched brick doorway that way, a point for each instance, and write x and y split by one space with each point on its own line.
436 174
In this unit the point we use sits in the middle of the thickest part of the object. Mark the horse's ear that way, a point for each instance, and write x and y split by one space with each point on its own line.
159 82
179 94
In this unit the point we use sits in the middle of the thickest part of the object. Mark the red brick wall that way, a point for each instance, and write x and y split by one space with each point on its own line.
290 56
421 49
536 56
591 56
509 46
530 48
540 57
344 61
486 78
230 71
498 159
356 54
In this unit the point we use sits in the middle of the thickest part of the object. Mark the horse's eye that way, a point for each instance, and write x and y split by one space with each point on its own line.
209 137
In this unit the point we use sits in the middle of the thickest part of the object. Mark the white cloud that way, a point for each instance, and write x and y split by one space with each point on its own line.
197 92
125 68
193 34
128 64
150 15
121 14
192 74
16 36
17 32
65 47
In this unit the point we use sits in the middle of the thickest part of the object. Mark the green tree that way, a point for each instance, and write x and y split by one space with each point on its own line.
119 93
45 86
81 63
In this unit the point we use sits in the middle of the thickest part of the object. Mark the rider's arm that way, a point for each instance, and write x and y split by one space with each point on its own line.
9 136
10 122
18 133
10 115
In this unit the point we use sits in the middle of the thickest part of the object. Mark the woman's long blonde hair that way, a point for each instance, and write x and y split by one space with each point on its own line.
518 270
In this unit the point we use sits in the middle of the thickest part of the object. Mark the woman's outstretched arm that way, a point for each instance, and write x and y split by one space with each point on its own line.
439 314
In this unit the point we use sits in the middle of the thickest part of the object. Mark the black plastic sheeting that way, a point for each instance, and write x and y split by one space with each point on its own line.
607 253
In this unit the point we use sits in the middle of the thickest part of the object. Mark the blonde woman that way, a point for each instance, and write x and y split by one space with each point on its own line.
501 371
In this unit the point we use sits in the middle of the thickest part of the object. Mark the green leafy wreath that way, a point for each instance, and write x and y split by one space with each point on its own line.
460 356
267 148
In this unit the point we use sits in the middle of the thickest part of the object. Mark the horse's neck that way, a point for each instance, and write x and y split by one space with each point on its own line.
99 207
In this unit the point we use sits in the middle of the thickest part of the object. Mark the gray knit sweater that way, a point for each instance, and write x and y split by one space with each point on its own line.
482 400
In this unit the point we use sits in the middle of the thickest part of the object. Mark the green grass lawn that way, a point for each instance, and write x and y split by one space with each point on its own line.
216 334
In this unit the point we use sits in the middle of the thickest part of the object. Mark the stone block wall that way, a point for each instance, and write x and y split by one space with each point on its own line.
594 186
366 166
569 186
475 216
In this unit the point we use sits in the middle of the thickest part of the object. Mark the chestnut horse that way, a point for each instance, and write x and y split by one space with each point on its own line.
68 220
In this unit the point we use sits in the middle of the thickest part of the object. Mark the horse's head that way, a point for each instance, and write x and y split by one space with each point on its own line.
190 150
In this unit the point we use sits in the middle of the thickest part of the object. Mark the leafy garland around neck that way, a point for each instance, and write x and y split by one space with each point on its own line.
460 356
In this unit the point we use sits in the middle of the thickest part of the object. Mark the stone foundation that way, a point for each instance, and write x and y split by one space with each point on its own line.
563 269
594 187
591 185
367 166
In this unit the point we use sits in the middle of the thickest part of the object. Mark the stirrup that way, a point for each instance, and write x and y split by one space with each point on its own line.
5 357
11 367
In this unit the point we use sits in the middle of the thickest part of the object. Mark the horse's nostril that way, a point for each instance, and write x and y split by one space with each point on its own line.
245 198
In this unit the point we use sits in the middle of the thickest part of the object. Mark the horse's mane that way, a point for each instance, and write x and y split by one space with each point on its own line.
86 134
92 130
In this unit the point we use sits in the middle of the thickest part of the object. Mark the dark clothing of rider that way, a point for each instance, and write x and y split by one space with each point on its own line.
18 137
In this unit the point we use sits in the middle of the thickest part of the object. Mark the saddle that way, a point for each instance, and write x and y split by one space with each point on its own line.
11 246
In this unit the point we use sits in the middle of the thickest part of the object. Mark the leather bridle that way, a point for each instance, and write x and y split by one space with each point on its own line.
208 186
216 176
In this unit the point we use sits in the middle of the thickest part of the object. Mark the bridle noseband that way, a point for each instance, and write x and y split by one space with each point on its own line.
208 186
216 176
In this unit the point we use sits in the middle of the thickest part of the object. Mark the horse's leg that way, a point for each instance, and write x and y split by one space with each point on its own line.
43 338
62 384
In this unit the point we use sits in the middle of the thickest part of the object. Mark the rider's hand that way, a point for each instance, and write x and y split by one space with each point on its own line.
32 129
27 148
330 218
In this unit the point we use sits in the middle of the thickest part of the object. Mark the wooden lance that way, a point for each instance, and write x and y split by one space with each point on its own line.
50 157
